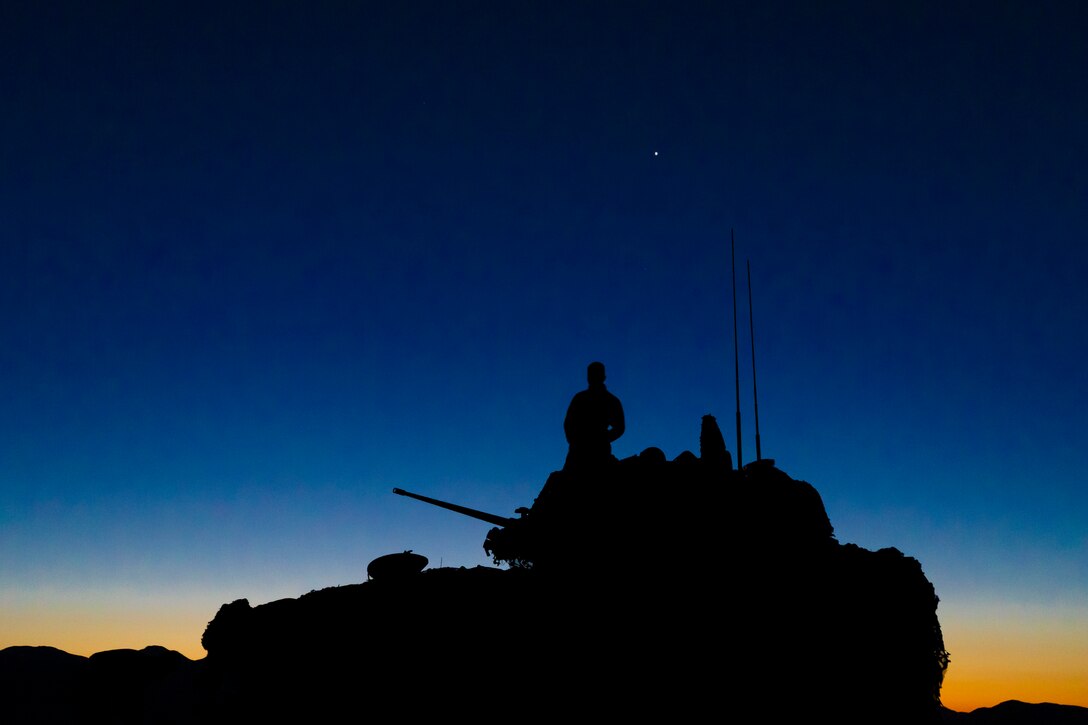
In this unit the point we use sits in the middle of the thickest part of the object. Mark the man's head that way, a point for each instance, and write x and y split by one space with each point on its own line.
595 373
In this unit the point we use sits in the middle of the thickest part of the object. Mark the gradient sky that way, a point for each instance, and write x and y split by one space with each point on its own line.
259 265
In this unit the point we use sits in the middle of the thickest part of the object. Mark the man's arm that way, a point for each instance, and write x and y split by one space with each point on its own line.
617 421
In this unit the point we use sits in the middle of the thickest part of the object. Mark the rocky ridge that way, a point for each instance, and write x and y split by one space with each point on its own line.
643 587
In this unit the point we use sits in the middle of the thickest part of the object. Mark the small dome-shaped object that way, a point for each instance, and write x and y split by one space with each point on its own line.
653 455
396 566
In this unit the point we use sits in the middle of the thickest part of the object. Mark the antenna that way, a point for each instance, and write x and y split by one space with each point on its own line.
736 359
752 332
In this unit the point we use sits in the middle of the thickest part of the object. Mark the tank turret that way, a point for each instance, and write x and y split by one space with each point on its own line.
629 513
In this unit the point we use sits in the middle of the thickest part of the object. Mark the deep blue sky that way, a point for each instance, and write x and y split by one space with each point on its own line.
259 265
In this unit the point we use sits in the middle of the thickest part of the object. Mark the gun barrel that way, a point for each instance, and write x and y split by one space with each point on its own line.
464 510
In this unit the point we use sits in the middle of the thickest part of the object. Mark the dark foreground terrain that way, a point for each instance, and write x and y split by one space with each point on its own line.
646 589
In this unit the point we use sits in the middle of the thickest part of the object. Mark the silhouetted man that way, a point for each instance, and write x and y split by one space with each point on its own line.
594 419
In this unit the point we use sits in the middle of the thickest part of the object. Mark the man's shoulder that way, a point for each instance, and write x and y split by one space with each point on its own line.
596 395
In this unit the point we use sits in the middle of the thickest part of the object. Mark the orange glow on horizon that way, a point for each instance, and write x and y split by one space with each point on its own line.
83 629
1031 653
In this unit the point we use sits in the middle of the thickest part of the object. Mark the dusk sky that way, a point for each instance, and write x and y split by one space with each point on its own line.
260 264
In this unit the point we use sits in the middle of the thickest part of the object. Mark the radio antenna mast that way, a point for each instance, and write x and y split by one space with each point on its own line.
736 358
752 332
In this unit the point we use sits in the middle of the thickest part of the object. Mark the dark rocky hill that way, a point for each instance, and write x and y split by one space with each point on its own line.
1014 712
641 588
46 686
